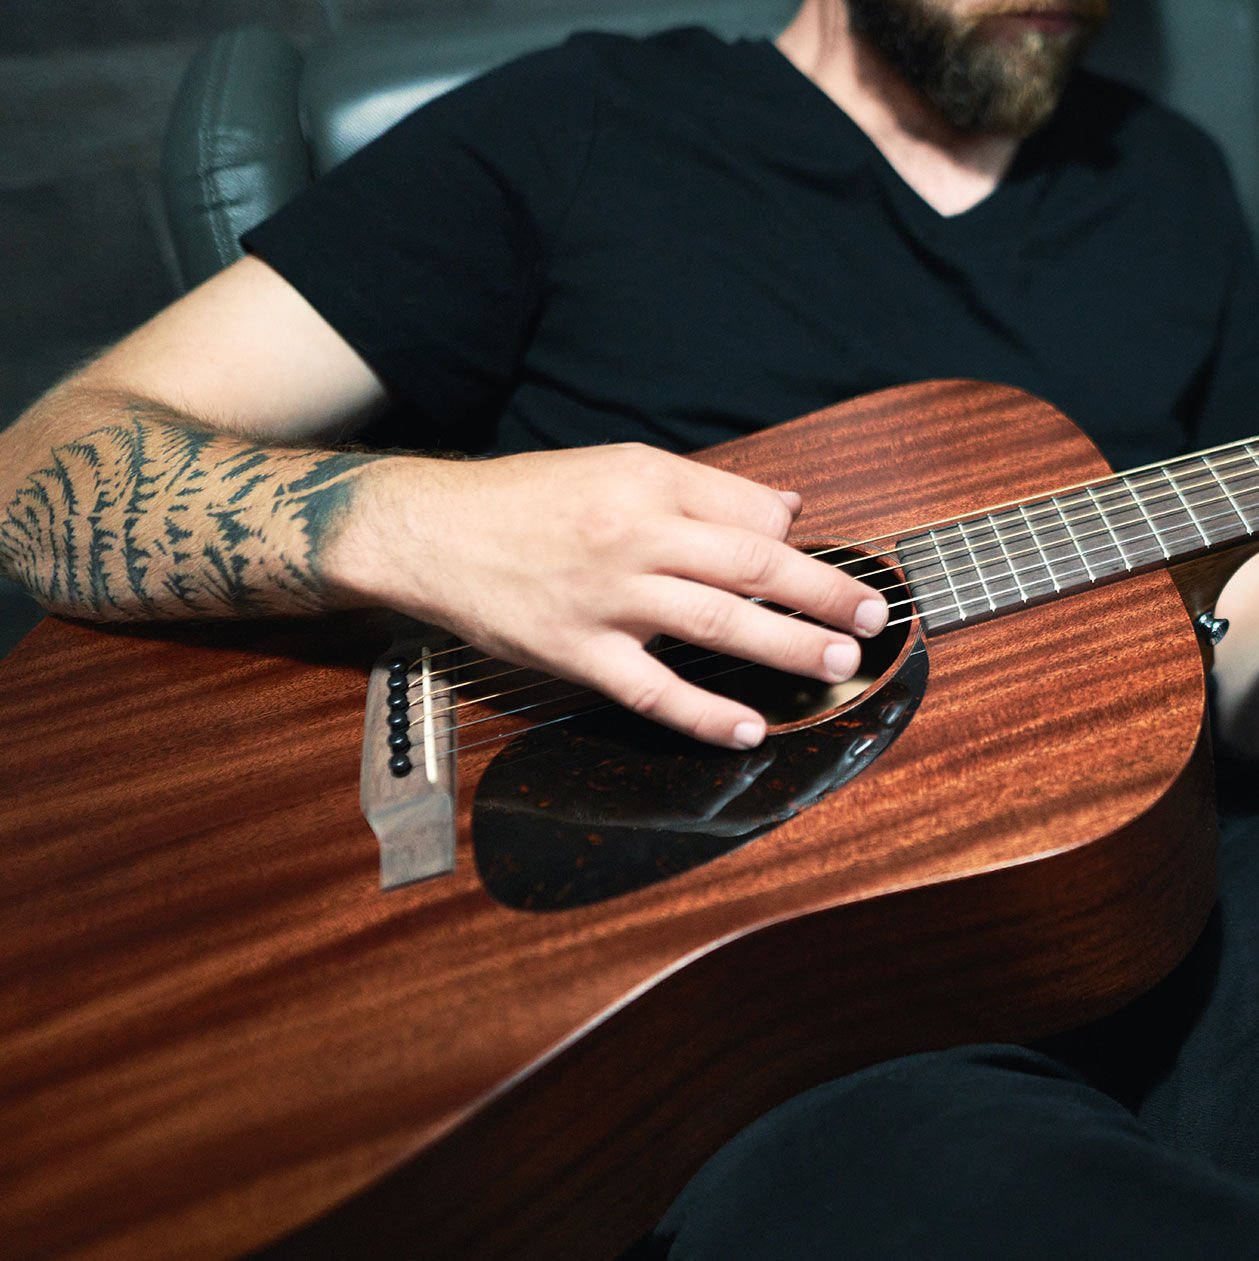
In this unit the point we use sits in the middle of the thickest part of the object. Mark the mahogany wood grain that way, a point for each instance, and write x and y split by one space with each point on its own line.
215 1030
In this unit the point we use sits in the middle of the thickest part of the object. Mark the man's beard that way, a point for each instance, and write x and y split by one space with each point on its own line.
976 79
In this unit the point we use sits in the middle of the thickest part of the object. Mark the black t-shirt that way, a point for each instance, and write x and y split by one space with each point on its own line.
678 240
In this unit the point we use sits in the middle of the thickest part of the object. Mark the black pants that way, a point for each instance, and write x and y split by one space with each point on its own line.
1135 1137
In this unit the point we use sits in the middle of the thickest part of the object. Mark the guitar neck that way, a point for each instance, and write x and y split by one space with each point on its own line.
1038 549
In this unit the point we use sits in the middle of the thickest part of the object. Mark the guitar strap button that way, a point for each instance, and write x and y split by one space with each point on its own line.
1212 627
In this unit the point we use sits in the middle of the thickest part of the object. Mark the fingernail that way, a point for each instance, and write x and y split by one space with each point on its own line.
870 617
841 660
747 735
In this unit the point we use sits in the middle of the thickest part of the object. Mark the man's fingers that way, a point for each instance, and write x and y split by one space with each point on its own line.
634 678
751 564
731 624
793 501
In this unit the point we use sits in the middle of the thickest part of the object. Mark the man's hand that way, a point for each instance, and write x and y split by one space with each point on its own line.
571 561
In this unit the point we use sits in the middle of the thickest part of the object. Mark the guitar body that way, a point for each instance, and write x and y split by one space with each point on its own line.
217 1031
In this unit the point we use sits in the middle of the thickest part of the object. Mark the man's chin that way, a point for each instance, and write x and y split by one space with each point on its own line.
999 73
1016 118
1011 87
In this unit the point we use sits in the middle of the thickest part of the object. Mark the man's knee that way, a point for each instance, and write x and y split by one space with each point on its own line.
960 1153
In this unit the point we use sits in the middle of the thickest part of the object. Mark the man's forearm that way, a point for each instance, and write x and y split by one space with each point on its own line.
151 516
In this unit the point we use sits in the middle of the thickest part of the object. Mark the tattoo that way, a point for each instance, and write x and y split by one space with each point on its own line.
149 518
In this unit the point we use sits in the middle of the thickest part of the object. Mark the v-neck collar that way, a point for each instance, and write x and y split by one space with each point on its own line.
826 135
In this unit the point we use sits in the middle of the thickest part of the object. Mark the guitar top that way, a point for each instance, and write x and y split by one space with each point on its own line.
216 1030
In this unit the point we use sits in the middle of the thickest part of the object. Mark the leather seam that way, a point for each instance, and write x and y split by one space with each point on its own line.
213 104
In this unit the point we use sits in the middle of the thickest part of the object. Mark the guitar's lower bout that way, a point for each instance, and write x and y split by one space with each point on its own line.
614 807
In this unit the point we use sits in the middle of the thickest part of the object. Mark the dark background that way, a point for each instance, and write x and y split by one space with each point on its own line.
85 86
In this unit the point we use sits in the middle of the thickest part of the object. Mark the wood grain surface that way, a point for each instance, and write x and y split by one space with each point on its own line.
215 1030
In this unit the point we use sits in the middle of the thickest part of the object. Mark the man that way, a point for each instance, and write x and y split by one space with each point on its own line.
677 241
245 357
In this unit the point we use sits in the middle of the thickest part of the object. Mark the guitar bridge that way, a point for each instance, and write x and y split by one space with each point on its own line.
407 774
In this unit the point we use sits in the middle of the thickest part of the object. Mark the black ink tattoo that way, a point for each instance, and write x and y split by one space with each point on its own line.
149 518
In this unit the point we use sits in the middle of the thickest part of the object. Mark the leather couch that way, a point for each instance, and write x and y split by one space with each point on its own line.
256 118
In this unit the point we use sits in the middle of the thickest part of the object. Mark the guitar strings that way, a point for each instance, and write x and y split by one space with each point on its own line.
1119 487
995 549
737 666
578 693
604 704
984 591
1112 486
1043 507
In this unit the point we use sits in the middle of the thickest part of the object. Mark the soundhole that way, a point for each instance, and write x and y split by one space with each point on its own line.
789 701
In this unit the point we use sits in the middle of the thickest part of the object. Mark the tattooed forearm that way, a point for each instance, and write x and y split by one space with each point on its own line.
149 518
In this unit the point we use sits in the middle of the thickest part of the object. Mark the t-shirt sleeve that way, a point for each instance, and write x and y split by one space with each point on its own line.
427 250
1224 408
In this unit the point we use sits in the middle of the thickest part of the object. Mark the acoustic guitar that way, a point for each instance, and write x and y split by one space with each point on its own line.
220 1034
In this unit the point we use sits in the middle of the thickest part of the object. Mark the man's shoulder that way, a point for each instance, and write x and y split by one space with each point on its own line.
688 48
1115 120
555 87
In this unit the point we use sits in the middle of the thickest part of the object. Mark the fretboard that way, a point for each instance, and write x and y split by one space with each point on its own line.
1038 549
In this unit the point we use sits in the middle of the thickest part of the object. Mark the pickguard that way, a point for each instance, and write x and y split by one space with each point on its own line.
607 804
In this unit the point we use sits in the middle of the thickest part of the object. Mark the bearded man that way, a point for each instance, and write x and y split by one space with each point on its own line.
671 242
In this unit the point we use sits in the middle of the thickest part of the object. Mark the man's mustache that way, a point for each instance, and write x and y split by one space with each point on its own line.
1084 10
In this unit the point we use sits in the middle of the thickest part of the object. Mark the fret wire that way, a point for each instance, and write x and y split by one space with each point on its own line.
1171 481
1228 494
1077 574
1155 533
979 569
1029 569
1071 535
1036 544
1124 556
1122 484
948 577
1008 557
1118 539
1120 487
1158 538
1140 524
